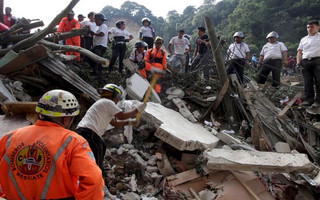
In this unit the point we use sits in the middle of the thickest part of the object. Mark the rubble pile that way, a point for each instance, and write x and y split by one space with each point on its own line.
185 146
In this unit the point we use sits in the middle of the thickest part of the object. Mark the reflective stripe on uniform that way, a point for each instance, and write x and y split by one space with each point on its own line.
53 167
7 159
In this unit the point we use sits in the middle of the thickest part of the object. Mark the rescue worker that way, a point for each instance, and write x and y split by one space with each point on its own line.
8 19
156 57
238 52
119 46
146 32
308 58
48 161
137 56
272 56
188 49
88 39
202 46
100 43
102 113
68 24
81 18
179 44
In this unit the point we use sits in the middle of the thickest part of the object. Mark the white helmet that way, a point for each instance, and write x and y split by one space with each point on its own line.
272 34
145 19
58 103
113 89
238 34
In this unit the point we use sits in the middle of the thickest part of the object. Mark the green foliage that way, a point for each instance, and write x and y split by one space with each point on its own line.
255 18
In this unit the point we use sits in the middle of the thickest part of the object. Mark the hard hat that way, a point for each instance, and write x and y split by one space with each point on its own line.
119 23
158 40
100 16
145 19
114 90
187 36
71 12
272 34
58 103
140 44
238 34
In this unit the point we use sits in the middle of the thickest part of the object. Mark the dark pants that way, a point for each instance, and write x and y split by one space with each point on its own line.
187 63
118 50
96 67
200 61
149 41
96 143
311 74
237 66
270 65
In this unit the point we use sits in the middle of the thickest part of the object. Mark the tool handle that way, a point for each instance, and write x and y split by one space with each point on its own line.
148 93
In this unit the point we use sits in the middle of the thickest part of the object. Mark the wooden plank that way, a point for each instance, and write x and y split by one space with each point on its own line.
220 95
288 106
255 196
18 108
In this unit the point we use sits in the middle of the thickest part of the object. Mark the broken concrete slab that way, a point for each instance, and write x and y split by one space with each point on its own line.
183 109
177 131
137 87
10 123
175 92
221 159
282 147
5 95
227 138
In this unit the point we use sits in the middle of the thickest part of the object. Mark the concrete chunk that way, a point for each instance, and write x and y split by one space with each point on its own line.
137 87
177 131
183 109
221 159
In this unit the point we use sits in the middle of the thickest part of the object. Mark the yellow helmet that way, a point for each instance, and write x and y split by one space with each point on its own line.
58 103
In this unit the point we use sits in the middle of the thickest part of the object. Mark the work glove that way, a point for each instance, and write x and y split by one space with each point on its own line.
141 107
132 122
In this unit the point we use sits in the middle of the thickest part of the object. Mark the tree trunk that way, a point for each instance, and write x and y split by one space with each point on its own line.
29 42
222 73
83 51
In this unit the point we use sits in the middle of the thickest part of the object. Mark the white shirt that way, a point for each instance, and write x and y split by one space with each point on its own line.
238 50
92 25
273 50
310 46
146 31
101 40
116 32
99 116
134 54
179 44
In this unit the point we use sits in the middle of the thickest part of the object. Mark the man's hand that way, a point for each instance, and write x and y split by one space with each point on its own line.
141 107
299 67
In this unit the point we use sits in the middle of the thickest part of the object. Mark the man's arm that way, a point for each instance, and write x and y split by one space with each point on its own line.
299 57
285 58
196 51
169 48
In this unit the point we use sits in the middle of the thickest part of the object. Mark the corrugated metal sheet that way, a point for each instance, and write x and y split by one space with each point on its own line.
57 67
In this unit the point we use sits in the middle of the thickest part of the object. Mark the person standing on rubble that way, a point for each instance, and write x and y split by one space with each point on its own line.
8 19
272 57
102 113
137 56
46 160
91 24
156 57
119 46
202 45
100 43
238 53
146 32
188 49
68 24
179 44
308 58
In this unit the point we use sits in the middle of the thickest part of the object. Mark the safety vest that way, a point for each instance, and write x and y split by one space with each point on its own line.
47 161
155 55
65 25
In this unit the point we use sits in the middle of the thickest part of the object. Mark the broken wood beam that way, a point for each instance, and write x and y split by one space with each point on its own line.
251 192
288 106
194 194
18 108
83 51
38 36
222 159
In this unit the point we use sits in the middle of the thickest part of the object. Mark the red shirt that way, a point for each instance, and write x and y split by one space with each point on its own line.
9 20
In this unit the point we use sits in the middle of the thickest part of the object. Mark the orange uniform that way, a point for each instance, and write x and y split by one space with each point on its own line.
65 26
47 161
155 58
